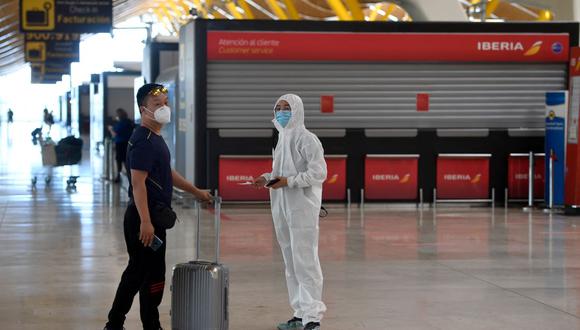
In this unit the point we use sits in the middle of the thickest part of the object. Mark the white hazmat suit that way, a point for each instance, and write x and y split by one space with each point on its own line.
299 157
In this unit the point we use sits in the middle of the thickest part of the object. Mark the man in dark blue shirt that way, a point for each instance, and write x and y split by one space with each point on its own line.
151 183
121 133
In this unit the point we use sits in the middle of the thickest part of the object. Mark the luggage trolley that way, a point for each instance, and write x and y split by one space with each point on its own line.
66 152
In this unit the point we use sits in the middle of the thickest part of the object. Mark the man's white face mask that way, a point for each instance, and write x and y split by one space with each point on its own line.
162 115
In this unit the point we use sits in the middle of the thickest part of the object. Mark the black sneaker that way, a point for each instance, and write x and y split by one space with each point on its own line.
293 324
312 326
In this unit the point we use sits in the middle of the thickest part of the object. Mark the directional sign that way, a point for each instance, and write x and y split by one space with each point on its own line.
48 72
77 16
40 47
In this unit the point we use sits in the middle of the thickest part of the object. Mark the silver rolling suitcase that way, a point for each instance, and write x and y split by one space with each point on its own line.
199 289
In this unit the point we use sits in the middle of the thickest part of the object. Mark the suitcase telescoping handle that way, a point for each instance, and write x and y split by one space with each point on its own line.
217 202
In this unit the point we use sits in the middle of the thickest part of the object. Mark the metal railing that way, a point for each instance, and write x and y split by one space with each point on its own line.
109 164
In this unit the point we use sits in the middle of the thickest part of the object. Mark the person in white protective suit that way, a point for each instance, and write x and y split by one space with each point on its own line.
296 200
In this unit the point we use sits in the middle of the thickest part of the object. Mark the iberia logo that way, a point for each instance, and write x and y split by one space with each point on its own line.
463 177
332 179
534 49
575 63
238 178
509 46
392 177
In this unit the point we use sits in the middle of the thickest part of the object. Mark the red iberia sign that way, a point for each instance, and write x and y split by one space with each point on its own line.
235 172
462 177
391 177
396 47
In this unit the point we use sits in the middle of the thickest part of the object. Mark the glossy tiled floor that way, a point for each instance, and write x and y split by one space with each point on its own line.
62 253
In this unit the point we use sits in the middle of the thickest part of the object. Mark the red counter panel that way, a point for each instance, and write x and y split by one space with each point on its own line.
462 177
391 177
518 168
334 188
233 171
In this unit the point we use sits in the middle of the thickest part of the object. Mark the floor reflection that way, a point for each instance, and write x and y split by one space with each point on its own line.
385 267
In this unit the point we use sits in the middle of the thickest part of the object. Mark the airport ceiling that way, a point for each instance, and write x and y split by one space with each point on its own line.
173 13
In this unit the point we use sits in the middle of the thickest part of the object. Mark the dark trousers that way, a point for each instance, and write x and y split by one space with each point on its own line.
120 155
145 274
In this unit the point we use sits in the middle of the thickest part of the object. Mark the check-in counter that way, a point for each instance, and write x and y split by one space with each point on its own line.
236 171
391 177
334 188
463 177
518 173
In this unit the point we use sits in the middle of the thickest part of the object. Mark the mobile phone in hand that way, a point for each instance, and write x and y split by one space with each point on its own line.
156 244
272 182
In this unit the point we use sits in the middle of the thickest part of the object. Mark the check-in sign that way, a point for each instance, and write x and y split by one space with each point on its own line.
48 72
75 16
42 47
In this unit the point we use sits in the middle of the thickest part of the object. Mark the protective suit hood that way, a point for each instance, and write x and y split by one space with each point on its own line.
297 107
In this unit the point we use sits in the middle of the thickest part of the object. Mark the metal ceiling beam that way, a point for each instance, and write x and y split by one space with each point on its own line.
261 8
246 8
11 64
291 9
355 10
278 11
340 10
10 35
233 9
15 49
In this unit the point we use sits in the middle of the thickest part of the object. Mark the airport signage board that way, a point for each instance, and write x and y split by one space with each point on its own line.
463 176
555 143
391 177
48 72
72 16
391 47
40 47
518 168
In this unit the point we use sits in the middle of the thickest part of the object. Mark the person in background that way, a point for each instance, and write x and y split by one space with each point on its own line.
296 197
121 133
48 119
10 116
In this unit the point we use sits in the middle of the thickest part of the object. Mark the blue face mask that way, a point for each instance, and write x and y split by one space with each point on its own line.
283 117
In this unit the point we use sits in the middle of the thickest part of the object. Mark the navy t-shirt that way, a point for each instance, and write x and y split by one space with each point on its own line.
148 152
123 130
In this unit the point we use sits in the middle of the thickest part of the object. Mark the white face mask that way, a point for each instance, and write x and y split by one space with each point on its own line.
162 115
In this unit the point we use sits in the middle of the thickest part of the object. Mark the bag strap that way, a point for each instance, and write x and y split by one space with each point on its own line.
155 184
323 212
